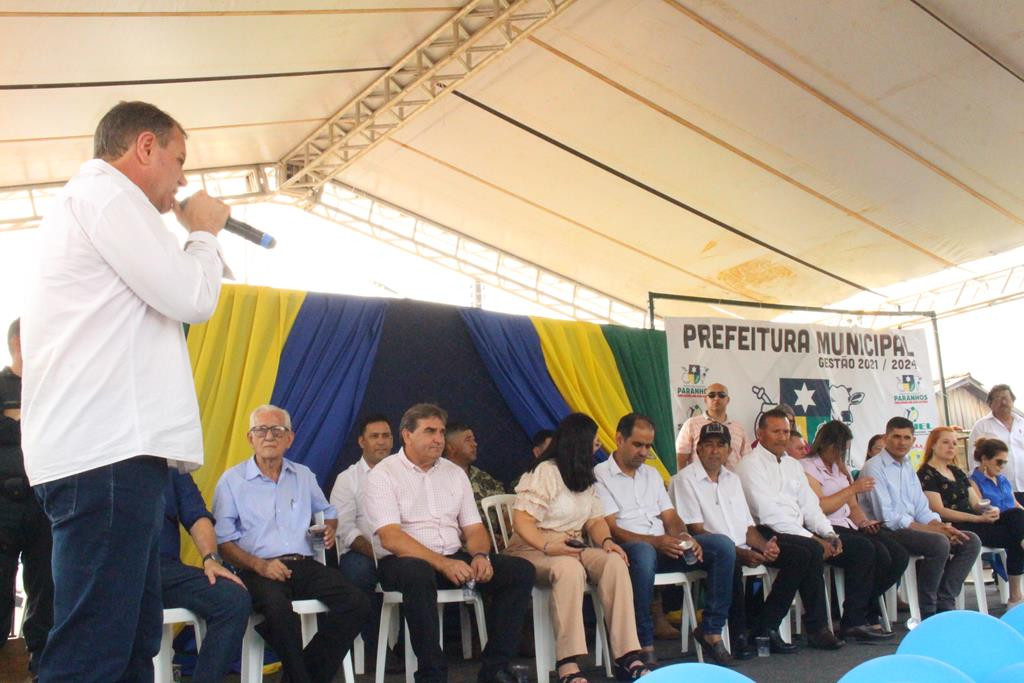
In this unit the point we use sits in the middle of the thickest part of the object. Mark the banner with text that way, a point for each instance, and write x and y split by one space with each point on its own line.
862 377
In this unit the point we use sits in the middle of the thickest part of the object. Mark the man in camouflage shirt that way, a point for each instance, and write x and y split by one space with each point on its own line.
460 448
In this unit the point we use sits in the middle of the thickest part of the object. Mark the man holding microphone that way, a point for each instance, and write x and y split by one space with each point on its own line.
108 398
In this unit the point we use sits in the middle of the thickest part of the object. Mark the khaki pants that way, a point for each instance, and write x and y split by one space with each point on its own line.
567 576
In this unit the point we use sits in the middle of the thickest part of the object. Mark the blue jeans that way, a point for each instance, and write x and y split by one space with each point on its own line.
225 606
107 612
361 571
645 562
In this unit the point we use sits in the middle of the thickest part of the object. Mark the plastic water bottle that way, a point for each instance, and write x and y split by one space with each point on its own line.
689 554
316 536
469 589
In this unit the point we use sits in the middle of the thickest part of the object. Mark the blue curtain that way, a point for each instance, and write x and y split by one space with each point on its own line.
323 375
510 348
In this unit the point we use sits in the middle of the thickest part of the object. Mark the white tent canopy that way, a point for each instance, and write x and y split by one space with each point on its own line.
838 146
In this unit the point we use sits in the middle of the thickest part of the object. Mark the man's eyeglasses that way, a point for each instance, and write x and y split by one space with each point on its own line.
276 431
717 394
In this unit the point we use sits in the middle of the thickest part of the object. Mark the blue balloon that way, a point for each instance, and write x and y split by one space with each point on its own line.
1009 674
705 673
977 644
904 669
1015 618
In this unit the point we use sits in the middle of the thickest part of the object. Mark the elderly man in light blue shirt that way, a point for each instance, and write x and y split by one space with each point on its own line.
264 507
898 501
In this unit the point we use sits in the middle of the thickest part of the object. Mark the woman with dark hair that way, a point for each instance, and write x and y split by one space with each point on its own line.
957 499
556 505
837 494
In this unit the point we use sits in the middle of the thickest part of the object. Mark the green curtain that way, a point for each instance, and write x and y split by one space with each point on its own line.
642 359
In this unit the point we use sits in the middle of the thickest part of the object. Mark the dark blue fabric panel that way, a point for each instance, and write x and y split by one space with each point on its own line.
325 366
426 354
510 348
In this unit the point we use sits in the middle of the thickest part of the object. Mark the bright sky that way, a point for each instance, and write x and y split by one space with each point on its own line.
317 255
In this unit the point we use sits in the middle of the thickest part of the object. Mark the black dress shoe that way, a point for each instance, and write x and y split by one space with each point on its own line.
742 648
866 634
824 640
778 645
716 651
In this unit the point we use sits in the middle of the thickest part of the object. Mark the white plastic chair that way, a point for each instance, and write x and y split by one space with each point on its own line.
543 632
978 578
839 575
253 643
908 590
686 581
162 663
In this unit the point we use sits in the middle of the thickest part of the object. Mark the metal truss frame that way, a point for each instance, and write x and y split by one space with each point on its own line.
369 215
23 206
464 44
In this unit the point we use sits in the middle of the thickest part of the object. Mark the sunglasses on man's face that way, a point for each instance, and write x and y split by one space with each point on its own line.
717 394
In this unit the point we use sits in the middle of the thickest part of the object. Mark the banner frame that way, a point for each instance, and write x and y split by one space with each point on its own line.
931 315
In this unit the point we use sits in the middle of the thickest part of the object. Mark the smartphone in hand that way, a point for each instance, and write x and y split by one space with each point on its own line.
575 543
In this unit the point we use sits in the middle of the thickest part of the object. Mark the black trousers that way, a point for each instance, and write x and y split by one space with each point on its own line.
801 566
25 532
348 607
509 590
1006 532
890 562
858 563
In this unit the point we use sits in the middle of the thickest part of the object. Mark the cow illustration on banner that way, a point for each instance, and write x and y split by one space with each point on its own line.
861 377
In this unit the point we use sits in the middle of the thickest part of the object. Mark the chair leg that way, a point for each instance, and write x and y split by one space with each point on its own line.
827 578
1004 587
910 577
884 613
481 621
602 650
411 663
252 654
359 655
347 668
690 618
544 648
162 663
979 585
388 615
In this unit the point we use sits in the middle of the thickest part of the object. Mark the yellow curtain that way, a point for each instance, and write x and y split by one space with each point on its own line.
235 357
583 368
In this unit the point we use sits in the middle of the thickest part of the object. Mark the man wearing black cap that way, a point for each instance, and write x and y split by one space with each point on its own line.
710 498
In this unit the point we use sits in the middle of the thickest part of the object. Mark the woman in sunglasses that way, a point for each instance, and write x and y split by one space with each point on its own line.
958 499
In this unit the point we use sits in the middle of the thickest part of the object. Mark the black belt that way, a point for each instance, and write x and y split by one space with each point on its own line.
292 558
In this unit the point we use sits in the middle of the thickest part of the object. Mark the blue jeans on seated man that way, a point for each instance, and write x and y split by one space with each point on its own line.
361 571
225 606
645 562
107 612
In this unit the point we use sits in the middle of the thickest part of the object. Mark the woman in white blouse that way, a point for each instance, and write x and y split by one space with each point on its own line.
560 527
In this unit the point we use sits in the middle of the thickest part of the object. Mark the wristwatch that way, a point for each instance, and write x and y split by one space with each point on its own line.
215 556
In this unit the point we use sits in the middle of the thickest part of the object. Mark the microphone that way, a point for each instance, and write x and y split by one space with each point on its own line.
245 231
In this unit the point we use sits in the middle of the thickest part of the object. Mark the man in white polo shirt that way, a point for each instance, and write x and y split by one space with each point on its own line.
1003 424
420 507
108 397
644 522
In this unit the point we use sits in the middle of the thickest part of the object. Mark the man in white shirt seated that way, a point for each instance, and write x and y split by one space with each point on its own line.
709 497
355 549
644 522
716 400
420 507
783 504
264 507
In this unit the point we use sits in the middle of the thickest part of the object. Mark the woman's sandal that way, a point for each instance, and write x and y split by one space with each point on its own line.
576 676
630 667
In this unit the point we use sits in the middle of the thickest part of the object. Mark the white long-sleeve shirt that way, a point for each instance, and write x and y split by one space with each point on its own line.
106 369
779 496
346 497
